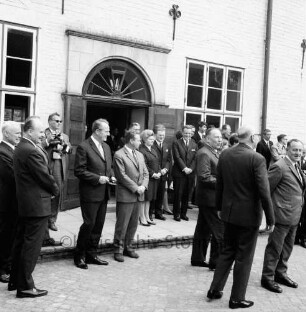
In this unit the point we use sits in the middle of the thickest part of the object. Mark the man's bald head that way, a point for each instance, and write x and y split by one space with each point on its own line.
246 135
11 132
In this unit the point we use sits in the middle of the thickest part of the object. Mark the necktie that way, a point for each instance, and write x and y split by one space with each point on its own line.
100 148
161 145
187 142
298 172
135 157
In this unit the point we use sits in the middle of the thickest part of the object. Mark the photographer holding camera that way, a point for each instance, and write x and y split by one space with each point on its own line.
58 147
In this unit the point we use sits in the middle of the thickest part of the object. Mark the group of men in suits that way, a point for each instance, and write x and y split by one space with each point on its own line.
244 187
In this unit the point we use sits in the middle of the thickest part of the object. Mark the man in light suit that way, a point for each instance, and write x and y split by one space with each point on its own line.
264 146
132 181
183 172
242 189
11 133
287 185
208 221
164 156
35 187
93 167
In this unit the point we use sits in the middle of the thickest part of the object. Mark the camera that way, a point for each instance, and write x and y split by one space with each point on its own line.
59 147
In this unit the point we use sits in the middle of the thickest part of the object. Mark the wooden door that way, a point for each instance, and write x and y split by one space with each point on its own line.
75 127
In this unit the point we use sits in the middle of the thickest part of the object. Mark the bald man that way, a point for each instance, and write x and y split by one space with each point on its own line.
11 133
242 189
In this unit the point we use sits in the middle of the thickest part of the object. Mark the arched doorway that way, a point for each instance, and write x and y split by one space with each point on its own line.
115 89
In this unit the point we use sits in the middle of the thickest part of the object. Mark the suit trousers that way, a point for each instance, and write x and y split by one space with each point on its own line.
208 223
278 251
301 229
93 214
126 226
57 173
157 205
8 224
239 246
182 187
26 250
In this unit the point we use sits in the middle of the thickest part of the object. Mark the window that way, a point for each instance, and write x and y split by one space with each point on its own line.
18 64
213 93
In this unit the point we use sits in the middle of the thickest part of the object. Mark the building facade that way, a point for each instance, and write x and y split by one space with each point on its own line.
122 61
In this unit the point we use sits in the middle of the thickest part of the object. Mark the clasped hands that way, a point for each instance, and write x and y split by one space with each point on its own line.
187 170
105 179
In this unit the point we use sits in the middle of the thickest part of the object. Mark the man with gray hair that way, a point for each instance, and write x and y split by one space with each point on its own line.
11 133
242 189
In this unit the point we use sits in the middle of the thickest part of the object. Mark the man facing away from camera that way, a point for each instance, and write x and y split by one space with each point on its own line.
242 188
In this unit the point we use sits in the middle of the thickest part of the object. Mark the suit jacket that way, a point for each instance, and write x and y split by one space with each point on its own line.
129 175
196 137
242 184
89 165
164 156
287 192
207 160
64 158
278 151
34 183
265 150
183 157
7 180
151 160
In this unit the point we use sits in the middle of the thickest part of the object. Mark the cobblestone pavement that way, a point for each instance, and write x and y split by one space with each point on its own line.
160 280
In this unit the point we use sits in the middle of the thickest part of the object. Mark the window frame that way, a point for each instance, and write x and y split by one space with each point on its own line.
34 32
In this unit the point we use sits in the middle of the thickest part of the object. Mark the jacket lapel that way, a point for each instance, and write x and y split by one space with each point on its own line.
94 147
294 172
130 157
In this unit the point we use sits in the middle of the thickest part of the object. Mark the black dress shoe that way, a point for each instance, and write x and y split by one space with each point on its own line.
80 263
131 254
241 304
160 217
202 264
31 293
119 257
285 280
4 278
212 267
96 260
11 286
177 219
271 285
50 242
185 218
214 294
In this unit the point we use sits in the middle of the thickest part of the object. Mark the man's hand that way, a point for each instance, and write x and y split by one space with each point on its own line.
187 170
163 171
141 189
219 214
103 179
270 228
156 175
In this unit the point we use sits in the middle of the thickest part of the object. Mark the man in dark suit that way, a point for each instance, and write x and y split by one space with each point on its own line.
287 185
183 172
200 134
132 180
93 167
34 188
11 133
264 146
164 156
242 189
208 221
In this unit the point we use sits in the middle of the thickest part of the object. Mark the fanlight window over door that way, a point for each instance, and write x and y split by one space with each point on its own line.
118 80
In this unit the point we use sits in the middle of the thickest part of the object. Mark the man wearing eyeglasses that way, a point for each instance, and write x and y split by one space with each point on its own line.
58 147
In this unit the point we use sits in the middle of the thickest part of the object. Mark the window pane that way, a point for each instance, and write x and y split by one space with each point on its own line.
18 73
16 107
194 96
193 119
234 80
19 43
213 120
214 99
233 101
215 77
196 74
233 122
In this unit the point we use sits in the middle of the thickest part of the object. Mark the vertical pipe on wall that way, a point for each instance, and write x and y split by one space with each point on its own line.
267 64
